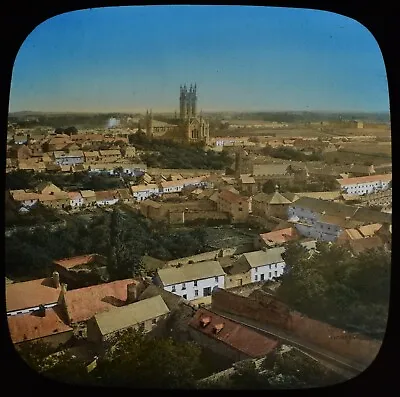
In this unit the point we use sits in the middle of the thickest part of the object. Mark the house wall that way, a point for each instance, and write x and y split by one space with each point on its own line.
236 280
69 160
107 202
267 272
76 202
365 188
189 288
265 309
53 340
146 193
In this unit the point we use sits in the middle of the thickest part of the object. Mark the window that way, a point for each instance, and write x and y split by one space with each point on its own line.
269 274
196 292
256 270
183 286
240 209
154 321
256 277
207 291
216 279
184 296
173 288
195 283
262 277
276 273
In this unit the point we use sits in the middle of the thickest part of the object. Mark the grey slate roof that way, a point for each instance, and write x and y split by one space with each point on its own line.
191 272
267 257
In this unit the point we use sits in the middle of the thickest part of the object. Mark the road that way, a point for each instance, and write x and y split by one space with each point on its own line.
344 366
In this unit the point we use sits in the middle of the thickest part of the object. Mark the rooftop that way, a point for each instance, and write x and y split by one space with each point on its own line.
31 294
231 197
233 334
123 317
85 303
365 179
69 263
280 236
190 272
31 326
267 257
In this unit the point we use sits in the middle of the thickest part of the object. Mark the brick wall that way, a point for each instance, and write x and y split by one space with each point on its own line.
246 307
266 309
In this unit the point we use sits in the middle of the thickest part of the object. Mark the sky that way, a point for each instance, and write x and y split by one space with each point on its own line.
128 59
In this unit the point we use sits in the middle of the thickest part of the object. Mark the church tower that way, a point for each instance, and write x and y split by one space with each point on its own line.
193 99
183 102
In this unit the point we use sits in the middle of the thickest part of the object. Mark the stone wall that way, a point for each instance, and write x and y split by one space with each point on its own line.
266 309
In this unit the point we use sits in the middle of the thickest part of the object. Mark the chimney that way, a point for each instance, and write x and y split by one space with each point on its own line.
131 293
56 279
204 321
42 311
218 327
62 301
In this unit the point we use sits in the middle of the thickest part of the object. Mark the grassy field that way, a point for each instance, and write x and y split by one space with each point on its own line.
356 158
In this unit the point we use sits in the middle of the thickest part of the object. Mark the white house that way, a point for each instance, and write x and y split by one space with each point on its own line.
265 264
321 219
171 186
71 158
365 184
197 181
192 281
75 199
107 197
142 192
25 199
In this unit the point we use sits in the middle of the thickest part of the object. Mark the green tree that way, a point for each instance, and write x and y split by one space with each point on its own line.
140 361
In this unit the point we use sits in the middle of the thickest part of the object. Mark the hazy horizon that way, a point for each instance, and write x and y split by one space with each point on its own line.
243 59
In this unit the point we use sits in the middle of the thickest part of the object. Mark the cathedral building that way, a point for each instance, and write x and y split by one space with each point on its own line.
190 127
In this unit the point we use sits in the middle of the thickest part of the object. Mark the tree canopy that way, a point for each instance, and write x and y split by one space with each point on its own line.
334 286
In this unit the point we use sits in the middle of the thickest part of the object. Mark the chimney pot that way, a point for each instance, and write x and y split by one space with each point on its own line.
56 279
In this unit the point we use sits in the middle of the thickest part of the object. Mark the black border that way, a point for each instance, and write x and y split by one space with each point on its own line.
20 18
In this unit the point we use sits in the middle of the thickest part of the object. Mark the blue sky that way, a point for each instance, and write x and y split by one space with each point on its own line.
242 58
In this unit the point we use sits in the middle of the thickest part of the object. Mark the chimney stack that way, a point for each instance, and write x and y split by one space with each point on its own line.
131 293
56 279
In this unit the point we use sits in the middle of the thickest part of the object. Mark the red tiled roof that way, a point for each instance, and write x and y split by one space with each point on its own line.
280 236
31 294
363 244
30 326
84 303
69 263
107 195
365 179
234 334
231 197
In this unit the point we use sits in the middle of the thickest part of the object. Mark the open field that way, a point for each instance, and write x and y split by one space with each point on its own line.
356 158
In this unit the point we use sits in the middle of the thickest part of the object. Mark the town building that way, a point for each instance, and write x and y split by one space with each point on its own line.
107 197
28 296
75 199
192 281
326 220
146 313
277 237
72 157
142 192
365 184
82 271
274 204
46 325
235 205
265 264
229 338
89 197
